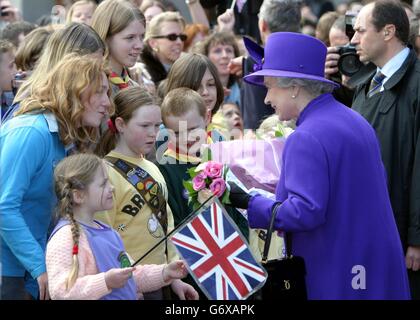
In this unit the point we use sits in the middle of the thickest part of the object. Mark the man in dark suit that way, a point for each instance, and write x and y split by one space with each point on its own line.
274 16
389 99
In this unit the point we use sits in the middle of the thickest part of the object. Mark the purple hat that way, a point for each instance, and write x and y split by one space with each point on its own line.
288 55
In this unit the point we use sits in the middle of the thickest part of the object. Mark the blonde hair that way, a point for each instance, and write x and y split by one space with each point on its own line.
75 37
126 102
75 172
79 3
113 16
32 47
154 27
60 93
180 101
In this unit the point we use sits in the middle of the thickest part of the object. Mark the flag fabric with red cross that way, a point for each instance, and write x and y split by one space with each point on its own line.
218 257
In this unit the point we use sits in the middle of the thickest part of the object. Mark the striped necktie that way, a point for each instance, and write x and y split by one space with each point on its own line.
376 84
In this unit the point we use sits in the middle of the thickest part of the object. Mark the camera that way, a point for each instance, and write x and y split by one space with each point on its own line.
349 63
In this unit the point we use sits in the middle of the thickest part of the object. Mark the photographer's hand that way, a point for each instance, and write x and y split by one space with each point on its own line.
345 80
331 62
9 12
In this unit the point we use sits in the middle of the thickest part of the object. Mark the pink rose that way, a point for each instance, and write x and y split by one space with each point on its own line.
199 182
213 169
218 187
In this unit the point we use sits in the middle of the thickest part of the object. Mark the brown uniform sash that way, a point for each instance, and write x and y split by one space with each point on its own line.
147 187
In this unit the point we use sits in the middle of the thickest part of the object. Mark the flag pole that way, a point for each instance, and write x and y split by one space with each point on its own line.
232 6
190 216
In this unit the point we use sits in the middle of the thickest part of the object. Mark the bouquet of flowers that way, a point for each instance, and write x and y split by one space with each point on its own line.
207 180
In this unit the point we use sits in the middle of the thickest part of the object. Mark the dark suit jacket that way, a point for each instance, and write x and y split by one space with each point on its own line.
395 116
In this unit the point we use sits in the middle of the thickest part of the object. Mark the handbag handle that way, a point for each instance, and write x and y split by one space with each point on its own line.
287 239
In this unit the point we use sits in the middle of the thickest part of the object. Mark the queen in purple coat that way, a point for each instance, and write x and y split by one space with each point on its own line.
335 204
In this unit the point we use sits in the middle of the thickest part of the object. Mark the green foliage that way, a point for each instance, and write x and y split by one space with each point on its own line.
225 198
192 194
192 172
279 131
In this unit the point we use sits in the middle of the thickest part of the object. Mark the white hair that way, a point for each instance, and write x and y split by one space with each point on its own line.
313 87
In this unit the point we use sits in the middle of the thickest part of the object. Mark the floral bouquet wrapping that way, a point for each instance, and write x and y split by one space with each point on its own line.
207 180
255 163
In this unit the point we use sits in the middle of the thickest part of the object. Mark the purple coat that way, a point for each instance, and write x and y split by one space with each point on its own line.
335 204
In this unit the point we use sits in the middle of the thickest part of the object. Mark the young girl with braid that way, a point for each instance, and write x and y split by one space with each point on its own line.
85 258
140 213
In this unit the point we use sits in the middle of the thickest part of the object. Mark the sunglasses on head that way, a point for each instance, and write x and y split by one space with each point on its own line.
173 37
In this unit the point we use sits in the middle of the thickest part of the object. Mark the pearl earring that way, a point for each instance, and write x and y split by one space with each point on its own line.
293 96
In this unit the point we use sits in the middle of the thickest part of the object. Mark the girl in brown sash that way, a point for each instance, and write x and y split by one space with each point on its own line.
140 213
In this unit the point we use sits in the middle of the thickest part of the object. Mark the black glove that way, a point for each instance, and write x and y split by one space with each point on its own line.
238 197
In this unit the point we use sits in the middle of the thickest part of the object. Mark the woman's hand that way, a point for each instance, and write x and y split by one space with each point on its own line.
174 270
117 278
184 291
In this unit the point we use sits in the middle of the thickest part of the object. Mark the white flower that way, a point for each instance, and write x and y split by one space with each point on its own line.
203 195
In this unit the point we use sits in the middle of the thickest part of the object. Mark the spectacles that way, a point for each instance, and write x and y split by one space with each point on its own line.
173 37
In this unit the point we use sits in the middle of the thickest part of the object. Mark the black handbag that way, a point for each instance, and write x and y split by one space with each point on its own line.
286 277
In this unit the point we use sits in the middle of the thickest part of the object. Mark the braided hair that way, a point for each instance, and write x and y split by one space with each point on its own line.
75 172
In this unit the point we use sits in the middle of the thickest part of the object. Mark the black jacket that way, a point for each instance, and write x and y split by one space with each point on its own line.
395 116
153 65
253 108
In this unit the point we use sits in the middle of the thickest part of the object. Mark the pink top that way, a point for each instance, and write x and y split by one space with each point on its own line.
90 285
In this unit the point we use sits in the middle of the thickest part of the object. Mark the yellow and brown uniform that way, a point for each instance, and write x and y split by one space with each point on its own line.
132 217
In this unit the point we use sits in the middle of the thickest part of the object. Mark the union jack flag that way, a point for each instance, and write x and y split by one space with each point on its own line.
218 258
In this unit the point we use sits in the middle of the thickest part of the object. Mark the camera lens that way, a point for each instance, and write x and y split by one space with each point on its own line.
349 64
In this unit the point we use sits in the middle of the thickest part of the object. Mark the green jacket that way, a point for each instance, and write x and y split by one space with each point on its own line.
174 175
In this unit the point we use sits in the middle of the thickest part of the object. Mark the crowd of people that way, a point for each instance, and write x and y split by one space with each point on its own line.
107 105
